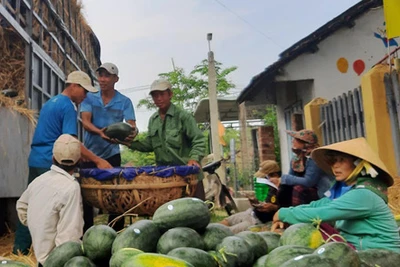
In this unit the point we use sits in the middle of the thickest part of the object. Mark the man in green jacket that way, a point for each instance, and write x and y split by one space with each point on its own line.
173 134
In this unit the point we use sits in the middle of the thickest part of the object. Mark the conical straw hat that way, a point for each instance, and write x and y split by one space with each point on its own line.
356 147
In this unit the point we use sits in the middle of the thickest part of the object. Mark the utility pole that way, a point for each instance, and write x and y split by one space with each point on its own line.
213 102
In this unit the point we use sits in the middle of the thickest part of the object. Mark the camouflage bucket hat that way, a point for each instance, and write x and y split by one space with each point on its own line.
307 136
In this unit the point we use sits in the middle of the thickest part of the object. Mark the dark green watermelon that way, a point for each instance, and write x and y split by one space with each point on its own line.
260 262
79 261
11 263
256 242
236 251
213 235
183 212
195 256
142 235
282 254
63 253
271 238
221 260
97 243
341 253
380 257
311 260
179 237
119 130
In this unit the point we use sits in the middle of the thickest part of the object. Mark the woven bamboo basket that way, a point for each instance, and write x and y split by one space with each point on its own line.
118 194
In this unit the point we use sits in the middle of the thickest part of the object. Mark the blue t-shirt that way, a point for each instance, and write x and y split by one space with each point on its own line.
58 116
119 108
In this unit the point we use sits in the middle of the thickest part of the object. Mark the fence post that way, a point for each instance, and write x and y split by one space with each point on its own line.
376 115
312 116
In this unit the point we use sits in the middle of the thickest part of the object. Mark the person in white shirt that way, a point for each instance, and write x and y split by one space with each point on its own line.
51 206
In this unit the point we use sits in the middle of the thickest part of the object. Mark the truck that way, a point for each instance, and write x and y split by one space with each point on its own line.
41 42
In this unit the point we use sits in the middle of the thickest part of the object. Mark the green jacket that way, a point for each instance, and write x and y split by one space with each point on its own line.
175 140
362 218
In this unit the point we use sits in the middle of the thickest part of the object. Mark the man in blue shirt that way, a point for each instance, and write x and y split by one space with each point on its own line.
98 111
58 116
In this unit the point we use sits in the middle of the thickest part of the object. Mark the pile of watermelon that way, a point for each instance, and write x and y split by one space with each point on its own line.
180 234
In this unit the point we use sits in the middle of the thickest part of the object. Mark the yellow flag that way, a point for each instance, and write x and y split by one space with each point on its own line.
391 9
221 132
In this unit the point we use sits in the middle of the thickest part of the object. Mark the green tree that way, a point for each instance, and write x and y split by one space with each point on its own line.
190 88
270 119
136 158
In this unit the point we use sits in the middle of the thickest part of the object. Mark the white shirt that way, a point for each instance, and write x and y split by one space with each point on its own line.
52 209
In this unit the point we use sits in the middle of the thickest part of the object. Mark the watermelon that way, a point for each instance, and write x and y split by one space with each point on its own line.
79 261
179 237
213 235
122 255
341 253
261 261
380 257
195 256
142 235
222 261
271 238
63 253
311 260
119 130
365 264
256 242
281 254
302 234
236 251
97 243
155 260
10 263
183 212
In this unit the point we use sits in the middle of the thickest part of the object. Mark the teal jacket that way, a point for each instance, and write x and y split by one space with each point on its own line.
362 218
174 140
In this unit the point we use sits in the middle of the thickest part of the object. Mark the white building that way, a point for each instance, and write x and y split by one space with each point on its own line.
326 63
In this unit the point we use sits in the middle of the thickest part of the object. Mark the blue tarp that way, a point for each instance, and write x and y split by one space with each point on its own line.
129 173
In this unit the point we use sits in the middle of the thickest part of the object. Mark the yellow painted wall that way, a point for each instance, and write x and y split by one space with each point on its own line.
313 118
376 115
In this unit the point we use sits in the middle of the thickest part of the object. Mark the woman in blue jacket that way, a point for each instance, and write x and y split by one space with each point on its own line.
305 181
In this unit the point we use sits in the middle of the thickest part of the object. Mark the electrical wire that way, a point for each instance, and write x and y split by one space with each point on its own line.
249 24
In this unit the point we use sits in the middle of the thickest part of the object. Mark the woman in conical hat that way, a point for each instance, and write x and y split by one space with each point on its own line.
362 215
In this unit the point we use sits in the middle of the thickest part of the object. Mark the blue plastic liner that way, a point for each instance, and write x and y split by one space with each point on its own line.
129 173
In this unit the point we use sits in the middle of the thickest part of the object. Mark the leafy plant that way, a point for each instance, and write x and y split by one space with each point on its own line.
136 158
189 89
270 119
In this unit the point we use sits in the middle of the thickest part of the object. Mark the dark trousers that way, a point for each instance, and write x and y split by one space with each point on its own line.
115 161
23 240
199 193
296 195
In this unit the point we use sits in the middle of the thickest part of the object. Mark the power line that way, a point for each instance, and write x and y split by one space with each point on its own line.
249 24
134 89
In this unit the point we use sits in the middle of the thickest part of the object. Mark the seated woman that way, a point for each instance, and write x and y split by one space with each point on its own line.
362 215
305 181
264 205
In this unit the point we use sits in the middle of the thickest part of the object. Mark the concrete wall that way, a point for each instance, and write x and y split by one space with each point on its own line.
15 138
351 44
326 69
